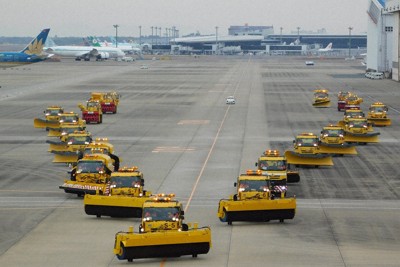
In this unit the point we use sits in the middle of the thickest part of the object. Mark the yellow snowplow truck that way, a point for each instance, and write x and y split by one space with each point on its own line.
351 113
123 197
91 174
358 130
377 115
341 97
162 233
254 201
73 142
64 129
307 152
109 101
92 112
99 146
51 114
332 141
70 118
321 98
274 165
353 102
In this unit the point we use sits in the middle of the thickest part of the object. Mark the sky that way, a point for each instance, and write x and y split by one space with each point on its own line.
81 18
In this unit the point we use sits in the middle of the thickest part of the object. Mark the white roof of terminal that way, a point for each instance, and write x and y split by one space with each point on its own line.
212 38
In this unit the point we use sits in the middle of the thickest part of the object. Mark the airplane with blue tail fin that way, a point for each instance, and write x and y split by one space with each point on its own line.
32 53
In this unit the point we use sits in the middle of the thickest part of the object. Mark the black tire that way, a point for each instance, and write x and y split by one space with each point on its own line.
98 215
281 220
194 255
229 223
185 227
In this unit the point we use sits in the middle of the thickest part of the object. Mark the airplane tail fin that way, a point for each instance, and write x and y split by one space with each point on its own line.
329 46
35 47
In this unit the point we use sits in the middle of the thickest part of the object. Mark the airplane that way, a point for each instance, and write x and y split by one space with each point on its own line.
328 48
84 52
131 45
32 53
126 47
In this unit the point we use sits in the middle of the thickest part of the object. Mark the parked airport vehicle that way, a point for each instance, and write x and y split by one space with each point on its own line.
162 233
73 142
307 152
124 195
332 141
377 115
309 63
254 201
321 98
274 165
92 112
230 100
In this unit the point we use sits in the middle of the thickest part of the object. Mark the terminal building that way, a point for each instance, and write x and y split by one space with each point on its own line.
262 40
383 37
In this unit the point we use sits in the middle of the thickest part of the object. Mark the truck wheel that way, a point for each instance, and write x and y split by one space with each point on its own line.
185 227
98 215
194 255
281 220
229 223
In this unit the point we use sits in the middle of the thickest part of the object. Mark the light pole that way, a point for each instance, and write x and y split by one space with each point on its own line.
152 35
350 28
298 34
281 34
116 34
140 35
216 39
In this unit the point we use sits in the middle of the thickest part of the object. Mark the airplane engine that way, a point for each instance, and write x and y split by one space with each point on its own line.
103 55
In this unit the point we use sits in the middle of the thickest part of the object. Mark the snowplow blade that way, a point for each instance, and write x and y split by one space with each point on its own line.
194 241
380 122
80 188
322 104
312 160
341 150
65 157
114 206
367 138
293 176
54 132
57 146
257 210
40 123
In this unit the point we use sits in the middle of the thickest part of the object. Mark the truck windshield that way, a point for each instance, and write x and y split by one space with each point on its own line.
53 112
320 95
358 124
90 167
272 165
69 118
161 213
125 181
253 185
79 140
334 133
307 142
90 150
378 109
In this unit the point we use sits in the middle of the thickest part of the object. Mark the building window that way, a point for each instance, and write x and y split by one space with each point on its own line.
388 29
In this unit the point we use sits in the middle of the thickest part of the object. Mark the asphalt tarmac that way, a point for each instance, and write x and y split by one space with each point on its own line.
173 123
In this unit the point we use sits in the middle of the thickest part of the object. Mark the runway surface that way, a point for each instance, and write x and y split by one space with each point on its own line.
173 123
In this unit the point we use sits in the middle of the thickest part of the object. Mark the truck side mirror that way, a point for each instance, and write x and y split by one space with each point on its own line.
182 213
256 164
234 184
